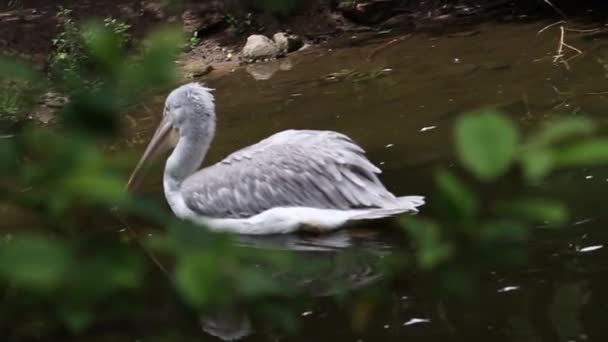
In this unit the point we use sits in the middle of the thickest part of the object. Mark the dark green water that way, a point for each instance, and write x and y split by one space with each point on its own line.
399 103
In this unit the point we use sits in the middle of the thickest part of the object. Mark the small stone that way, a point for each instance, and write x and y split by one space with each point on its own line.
281 41
53 100
287 43
196 69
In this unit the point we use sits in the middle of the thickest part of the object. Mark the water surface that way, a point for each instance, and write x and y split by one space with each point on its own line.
399 102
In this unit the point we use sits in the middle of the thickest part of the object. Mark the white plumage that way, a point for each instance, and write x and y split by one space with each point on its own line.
293 180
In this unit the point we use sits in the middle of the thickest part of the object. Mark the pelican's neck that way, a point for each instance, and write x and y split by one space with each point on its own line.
183 162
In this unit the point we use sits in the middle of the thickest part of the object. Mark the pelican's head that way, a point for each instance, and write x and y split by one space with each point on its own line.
189 113
190 109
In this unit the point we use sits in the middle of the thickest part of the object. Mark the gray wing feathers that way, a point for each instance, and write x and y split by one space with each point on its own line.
320 169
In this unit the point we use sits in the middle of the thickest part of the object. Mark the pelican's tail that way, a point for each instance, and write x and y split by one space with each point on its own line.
401 205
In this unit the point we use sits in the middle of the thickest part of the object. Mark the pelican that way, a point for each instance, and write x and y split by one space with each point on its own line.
293 180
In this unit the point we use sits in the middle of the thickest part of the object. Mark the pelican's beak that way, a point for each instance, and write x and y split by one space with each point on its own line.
159 143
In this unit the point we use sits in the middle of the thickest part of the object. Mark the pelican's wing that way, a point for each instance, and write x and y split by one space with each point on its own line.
319 169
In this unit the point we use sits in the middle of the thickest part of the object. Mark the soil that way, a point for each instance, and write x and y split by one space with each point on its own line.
28 26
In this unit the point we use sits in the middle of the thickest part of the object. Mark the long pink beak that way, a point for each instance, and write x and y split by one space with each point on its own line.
158 144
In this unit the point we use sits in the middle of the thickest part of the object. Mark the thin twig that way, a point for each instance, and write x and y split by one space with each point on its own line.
597 93
374 52
560 47
141 245
549 26
572 48
559 55
584 30
556 9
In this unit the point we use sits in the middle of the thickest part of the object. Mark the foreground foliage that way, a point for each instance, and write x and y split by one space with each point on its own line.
59 275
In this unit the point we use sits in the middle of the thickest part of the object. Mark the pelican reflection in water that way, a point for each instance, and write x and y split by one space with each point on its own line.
293 180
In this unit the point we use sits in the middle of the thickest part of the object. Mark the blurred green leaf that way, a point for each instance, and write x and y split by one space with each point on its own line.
101 269
486 143
94 113
34 262
103 45
586 153
156 67
536 163
454 197
8 154
431 248
92 180
17 70
560 129
535 209
77 319
197 277
252 282
502 231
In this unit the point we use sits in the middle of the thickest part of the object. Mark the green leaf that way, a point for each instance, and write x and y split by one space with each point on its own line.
76 319
8 155
455 196
536 163
14 69
34 262
535 209
253 282
502 231
586 153
486 143
197 278
432 250
560 129
156 68
103 45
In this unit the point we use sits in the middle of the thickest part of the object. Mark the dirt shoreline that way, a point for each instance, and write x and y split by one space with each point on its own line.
222 27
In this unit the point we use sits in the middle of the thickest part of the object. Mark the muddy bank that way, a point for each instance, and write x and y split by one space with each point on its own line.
218 30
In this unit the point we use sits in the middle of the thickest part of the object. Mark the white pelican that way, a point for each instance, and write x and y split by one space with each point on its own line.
293 180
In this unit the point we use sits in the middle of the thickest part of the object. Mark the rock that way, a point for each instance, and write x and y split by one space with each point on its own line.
43 114
281 41
53 100
259 47
287 43
367 12
398 22
196 69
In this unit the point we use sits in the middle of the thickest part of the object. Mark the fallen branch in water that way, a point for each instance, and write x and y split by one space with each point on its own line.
559 56
135 237
374 52
562 46
550 26
593 30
